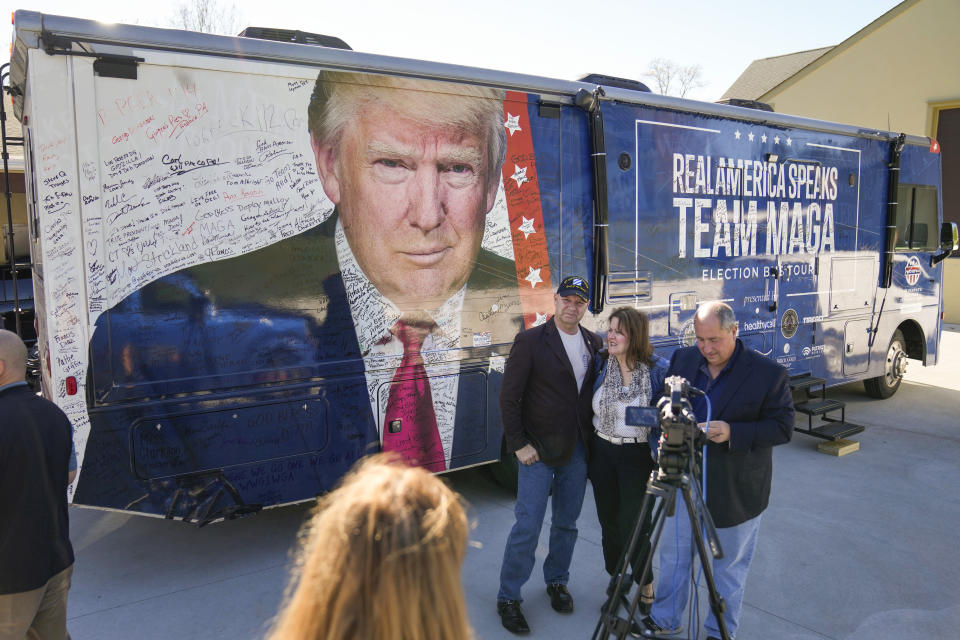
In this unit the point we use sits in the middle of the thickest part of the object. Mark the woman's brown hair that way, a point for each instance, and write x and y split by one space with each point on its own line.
380 558
637 327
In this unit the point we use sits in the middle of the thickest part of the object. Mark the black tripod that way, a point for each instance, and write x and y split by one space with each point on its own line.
678 465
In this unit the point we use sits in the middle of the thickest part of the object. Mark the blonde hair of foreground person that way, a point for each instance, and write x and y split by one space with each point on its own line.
380 558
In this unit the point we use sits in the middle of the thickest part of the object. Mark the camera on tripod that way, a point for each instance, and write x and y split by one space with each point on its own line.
678 472
682 438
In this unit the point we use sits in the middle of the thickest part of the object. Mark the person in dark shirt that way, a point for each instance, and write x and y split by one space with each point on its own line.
545 405
751 412
36 558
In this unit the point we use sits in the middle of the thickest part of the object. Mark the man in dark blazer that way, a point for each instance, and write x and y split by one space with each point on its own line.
752 411
545 404
36 558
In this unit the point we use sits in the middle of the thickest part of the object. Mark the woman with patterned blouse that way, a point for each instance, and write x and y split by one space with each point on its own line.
620 459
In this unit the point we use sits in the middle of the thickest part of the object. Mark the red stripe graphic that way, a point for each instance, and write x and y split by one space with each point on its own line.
522 191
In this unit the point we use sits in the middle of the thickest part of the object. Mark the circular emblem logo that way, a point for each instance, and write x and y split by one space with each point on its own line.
789 323
912 271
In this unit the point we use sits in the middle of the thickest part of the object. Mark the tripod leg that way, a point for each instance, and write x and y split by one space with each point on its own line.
717 604
610 623
627 558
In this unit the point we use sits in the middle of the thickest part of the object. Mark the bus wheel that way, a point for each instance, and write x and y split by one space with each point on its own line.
894 367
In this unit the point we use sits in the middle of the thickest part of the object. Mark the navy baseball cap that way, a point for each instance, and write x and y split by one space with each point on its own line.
574 285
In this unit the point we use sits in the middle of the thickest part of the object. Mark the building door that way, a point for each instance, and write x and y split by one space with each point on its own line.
948 135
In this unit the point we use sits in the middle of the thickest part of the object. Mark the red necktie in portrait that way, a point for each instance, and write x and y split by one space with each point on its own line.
410 424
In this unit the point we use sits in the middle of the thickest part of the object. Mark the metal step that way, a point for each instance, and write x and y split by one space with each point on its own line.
806 381
831 430
818 407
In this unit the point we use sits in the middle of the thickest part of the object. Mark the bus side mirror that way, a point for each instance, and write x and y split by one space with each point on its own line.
949 241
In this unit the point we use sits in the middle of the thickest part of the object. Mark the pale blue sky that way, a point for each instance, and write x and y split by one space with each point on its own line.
559 38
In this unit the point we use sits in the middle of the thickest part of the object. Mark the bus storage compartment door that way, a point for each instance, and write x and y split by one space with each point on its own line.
856 346
852 281
477 431
196 442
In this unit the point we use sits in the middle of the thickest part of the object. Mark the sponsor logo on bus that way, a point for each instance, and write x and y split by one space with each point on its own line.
912 271
758 325
812 351
789 323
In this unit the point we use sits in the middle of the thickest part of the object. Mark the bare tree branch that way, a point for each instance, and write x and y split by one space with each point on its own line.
208 16
690 78
668 75
661 70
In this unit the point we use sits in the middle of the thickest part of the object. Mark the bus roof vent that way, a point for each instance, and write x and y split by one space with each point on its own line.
613 81
293 35
749 104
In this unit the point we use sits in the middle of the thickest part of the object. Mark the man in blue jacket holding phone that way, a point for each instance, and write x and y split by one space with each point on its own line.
752 411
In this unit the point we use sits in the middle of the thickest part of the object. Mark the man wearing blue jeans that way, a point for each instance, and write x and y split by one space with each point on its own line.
730 572
752 411
545 405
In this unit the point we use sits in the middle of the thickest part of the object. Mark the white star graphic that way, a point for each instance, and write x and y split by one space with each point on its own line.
512 124
541 318
520 175
533 277
763 138
789 141
526 227
750 137
776 140
736 134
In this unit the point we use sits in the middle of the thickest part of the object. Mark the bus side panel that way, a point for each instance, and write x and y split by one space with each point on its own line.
783 224
226 368
57 181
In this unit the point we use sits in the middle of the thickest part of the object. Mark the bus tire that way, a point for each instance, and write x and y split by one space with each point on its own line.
894 366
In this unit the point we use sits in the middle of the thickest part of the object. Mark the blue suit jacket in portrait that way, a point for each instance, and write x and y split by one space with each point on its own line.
256 328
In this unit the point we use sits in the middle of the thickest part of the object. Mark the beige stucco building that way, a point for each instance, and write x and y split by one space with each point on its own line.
900 73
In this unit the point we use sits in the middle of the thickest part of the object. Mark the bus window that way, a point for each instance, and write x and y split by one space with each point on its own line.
917 218
925 228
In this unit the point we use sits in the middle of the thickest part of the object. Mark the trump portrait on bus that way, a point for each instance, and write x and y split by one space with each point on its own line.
389 310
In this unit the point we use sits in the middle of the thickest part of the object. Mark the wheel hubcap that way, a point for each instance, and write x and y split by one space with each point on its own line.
896 363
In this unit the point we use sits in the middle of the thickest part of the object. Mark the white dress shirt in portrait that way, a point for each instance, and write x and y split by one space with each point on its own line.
373 317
